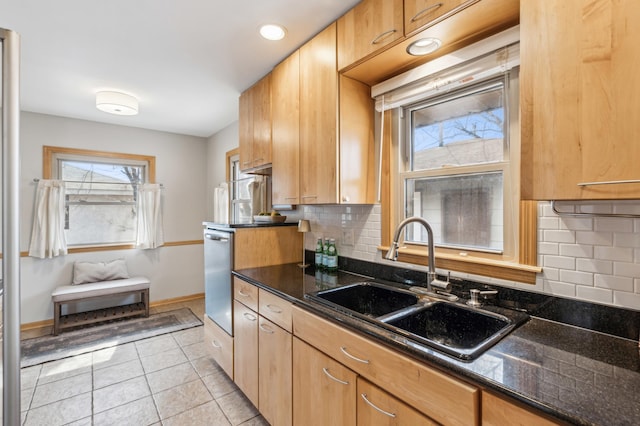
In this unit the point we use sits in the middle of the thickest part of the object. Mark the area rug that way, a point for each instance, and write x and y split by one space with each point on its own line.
76 342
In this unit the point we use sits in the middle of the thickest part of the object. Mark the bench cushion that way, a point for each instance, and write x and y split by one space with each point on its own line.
67 293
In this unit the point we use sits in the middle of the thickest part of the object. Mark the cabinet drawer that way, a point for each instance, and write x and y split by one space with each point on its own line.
245 293
443 398
219 345
376 407
497 411
275 309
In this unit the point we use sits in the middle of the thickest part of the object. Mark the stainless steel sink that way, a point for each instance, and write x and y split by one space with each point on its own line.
453 328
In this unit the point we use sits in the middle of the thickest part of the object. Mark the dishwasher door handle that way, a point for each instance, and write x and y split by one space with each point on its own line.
213 237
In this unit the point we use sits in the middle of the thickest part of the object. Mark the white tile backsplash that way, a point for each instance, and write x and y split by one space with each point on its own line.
591 259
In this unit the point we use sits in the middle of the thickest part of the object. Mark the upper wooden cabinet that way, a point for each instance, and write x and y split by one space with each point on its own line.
336 120
255 125
418 13
285 127
369 26
579 95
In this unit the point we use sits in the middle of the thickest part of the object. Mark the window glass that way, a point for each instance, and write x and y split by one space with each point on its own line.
101 193
458 152
100 201
467 129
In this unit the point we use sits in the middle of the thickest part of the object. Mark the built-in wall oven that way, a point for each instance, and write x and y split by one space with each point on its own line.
218 261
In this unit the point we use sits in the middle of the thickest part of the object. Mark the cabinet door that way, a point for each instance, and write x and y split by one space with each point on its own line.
418 13
497 411
319 119
245 130
285 111
357 147
274 373
376 407
369 26
261 115
579 105
324 391
245 354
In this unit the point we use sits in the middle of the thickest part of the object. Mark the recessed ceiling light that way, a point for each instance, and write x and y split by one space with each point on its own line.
273 32
116 103
424 46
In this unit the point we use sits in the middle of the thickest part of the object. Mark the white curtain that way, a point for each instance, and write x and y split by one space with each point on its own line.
47 234
149 233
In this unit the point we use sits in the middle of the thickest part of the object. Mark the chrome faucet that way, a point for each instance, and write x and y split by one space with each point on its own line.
392 254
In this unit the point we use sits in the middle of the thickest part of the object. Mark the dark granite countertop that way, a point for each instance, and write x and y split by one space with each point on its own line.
575 374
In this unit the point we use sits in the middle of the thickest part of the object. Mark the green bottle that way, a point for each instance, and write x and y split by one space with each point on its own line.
325 254
332 256
319 253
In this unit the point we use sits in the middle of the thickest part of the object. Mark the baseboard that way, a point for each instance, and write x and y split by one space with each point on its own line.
49 322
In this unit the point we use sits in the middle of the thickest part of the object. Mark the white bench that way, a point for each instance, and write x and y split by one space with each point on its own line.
81 292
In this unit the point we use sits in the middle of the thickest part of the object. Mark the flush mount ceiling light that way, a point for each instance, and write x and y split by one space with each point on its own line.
424 46
116 103
273 32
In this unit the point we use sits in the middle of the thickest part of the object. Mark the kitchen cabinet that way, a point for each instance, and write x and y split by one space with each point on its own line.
579 105
263 351
377 407
418 13
219 345
274 373
433 393
336 121
254 125
497 411
324 391
369 26
285 110
245 355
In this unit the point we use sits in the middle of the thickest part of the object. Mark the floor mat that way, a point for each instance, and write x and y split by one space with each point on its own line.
76 342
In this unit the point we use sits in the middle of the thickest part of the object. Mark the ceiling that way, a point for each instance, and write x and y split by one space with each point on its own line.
185 60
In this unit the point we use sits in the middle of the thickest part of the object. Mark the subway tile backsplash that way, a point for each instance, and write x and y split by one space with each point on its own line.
595 259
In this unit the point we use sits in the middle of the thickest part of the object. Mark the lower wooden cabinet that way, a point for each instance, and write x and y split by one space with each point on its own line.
324 391
245 355
497 411
263 351
432 392
377 407
219 345
274 373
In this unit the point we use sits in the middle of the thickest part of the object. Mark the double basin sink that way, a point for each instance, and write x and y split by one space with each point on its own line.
456 329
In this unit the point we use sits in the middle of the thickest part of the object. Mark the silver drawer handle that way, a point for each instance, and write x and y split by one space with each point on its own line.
425 10
216 344
275 309
249 316
242 293
344 351
266 329
309 196
329 375
364 396
381 36
610 182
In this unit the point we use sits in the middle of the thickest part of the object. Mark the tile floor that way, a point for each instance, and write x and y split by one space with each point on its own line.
164 380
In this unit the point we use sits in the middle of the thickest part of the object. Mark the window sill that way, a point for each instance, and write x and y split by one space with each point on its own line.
471 265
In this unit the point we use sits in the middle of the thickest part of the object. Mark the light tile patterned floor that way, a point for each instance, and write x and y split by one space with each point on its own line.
164 380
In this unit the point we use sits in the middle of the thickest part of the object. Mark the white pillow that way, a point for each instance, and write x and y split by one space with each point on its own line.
91 272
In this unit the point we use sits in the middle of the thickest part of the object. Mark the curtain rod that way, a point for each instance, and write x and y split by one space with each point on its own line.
95 183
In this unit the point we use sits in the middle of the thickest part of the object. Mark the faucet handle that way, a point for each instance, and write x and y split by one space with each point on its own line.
443 285
475 296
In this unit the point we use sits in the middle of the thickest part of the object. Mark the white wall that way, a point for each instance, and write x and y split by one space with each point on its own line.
181 165
217 147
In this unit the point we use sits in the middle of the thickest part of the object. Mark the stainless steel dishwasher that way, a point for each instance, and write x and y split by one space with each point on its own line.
218 261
